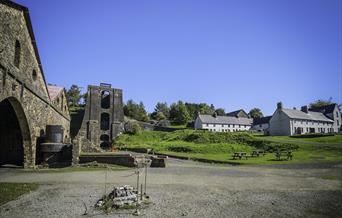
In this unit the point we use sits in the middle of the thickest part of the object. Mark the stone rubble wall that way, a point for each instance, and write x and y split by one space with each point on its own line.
28 93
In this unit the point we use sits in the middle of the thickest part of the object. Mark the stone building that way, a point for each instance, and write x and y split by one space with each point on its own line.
292 121
26 106
262 124
216 123
333 112
103 118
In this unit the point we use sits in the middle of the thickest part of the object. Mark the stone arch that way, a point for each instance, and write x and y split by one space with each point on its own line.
15 137
104 121
105 99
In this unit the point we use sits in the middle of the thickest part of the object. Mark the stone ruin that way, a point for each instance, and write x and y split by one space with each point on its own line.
118 198
103 119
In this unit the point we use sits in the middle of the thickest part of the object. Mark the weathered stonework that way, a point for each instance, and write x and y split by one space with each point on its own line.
22 86
103 118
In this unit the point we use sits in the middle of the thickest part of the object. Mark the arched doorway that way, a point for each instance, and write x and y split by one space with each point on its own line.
14 132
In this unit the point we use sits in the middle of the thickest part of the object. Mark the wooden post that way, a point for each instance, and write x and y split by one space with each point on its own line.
145 177
141 194
138 181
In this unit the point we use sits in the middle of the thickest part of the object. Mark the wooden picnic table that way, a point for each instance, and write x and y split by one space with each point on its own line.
239 155
257 153
287 154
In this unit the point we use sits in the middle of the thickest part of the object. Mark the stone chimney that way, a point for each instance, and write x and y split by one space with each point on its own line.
305 109
279 105
294 108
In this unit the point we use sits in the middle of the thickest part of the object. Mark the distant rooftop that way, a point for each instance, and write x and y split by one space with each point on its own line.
262 120
311 115
54 91
225 120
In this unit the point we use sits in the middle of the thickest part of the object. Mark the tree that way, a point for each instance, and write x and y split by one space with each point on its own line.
160 116
220 112
163 108
203 108
135 111
179 113
74 95
255 113
84 98
320 103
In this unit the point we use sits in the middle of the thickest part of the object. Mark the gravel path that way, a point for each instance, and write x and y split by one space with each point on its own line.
188 189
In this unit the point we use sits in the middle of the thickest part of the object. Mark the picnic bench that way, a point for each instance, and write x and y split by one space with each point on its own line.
257 153
286 154
239 155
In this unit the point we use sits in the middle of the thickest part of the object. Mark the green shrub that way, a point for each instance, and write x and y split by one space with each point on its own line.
312 135
180 149
133 128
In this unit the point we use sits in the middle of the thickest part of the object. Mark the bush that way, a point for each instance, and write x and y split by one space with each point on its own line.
180 149
312 135
133 128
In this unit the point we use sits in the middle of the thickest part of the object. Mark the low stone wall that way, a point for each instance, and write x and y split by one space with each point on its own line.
126 160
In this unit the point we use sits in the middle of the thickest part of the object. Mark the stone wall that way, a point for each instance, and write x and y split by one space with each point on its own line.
103 118
24 85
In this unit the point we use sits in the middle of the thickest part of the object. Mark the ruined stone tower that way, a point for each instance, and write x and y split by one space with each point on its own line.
103 118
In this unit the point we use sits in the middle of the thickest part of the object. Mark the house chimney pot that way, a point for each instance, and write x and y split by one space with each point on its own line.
279 105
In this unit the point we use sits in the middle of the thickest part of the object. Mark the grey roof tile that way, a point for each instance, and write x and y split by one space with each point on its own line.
311 115
224 120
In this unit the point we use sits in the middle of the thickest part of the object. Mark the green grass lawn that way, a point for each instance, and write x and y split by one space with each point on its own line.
11 191
336 139
211 146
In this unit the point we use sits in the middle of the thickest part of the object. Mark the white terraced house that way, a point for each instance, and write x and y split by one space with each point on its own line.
291 121
214 123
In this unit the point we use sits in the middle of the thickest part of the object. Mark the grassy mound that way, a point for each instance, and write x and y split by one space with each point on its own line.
198 143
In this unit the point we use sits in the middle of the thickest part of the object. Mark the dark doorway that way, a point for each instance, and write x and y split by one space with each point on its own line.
11 139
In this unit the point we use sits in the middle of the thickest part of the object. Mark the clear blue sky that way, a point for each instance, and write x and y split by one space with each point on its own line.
231 53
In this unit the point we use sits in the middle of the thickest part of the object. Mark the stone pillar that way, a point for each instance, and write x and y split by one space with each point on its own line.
76 150
93 132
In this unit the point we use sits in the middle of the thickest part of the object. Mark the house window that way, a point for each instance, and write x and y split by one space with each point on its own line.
17 52
338 124
214 125
336 113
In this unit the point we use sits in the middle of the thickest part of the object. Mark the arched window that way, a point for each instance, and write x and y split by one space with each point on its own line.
105 145
105 99
104 121
104 137
17 52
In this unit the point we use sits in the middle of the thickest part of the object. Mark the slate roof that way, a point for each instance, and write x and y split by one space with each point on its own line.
236 113
224 120
262 120
311 115
325 109
54 91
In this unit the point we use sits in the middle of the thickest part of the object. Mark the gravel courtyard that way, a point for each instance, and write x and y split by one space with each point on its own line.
188 189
